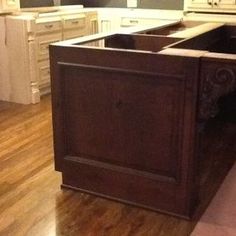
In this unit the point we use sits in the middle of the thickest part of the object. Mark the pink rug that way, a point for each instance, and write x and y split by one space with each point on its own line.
220 217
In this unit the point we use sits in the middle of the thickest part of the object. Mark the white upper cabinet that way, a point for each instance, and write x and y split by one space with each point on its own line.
211 5
227 4
9 5
206 4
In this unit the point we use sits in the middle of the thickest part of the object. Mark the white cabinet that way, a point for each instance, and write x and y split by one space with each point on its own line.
115 19
47 31
91 23
25 41
205 4
225 4
92 26
134 21
109 19
74 26
9 5
211 5
44 76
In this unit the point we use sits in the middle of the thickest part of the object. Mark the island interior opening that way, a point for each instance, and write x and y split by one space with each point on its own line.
219 40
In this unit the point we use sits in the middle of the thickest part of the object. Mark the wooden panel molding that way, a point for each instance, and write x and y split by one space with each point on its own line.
137 127
125 128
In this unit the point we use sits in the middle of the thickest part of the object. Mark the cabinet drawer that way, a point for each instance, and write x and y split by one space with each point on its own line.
78 21
45 26
126 21
129 21
44 74
43 44
70 34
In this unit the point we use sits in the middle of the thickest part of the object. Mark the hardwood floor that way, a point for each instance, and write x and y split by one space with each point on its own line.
32 202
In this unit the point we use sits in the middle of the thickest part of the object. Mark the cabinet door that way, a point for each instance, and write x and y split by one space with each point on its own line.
44 76
43 41
200 4
92 26
75 33
9 5
92 23
74 26
110 19
215 5
225 4
74 21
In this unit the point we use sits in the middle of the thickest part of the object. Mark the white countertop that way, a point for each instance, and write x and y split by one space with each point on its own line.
125 30
122 12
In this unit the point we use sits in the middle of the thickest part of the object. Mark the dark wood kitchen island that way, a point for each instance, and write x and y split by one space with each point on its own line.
139 119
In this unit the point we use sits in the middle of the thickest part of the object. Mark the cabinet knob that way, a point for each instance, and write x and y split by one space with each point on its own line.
133 21
75 22
119 104
48 26
209 2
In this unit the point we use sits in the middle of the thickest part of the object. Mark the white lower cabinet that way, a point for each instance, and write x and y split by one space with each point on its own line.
47 31
43 42
44 77
74 26
25 41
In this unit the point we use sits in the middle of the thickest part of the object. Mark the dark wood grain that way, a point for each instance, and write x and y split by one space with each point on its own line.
174 28
140 42
126 122
32 203
124 125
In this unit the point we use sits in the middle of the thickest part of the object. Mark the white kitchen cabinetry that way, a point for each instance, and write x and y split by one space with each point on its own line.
224 4
9 5
135 21
91 23
74 26
115 19
92 26
205 4
47 31
211 5
109 19
25 41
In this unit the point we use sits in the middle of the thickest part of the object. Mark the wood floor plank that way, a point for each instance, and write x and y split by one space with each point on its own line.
32 202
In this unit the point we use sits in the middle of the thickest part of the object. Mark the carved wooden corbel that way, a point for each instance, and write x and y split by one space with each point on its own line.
216 83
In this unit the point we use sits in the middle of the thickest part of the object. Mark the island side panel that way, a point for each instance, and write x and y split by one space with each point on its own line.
124 125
